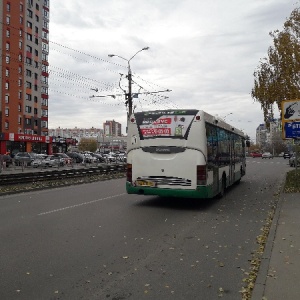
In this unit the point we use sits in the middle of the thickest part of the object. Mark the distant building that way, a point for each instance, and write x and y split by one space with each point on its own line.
112 128
77 133
65 139
275 130
261 135
269 135
270 138
68 138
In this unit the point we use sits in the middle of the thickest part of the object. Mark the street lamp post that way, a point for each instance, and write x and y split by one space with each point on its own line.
129 95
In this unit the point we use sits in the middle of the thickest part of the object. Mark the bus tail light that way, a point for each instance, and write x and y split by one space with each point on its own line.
129 173
201 175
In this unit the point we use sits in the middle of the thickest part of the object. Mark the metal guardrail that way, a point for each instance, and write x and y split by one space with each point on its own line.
59 174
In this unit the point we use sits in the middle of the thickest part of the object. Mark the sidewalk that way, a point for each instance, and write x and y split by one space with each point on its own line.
279 273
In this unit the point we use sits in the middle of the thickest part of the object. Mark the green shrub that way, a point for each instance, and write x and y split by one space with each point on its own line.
292 181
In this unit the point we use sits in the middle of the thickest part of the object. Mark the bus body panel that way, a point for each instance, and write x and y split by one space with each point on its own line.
167 169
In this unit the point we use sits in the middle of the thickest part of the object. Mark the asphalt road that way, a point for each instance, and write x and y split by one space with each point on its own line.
94 241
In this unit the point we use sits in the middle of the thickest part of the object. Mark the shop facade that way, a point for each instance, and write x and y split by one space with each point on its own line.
13 143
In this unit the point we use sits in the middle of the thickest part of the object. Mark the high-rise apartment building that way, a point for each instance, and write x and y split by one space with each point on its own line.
24 36
261 135
112 128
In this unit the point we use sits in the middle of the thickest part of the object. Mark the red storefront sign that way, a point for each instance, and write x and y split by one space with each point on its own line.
15 137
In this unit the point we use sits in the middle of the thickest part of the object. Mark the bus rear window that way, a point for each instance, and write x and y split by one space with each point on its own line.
166 123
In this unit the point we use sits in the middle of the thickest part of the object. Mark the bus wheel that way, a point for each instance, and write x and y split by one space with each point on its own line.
223 187
242 173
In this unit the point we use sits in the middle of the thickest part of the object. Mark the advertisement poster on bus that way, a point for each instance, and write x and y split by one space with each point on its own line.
164 125
290 119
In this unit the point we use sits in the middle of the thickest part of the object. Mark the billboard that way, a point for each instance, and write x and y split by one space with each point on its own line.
292 130
290 110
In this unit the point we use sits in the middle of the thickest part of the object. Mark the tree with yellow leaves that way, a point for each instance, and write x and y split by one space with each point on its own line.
277 78
87 144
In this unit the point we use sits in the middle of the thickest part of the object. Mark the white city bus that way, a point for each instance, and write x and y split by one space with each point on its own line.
184 153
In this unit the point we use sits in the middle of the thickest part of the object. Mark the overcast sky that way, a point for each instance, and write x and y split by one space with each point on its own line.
204 51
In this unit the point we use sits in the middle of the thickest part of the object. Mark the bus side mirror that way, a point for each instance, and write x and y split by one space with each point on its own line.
248 144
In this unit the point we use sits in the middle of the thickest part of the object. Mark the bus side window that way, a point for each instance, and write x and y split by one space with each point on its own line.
212 145
239 145
225 147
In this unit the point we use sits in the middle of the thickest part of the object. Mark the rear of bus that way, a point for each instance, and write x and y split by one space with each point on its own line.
166 154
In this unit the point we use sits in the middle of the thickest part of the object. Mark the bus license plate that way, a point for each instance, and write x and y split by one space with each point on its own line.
145 183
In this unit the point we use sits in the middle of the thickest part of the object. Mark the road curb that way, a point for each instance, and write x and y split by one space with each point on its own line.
260 283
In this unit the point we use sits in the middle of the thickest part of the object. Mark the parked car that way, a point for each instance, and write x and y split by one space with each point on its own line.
77 157
99 157
38 158
67 159
122 157
88 158
6 159
48 161
256 154
287 154
24 158
292 160
267 155
92 157
111 158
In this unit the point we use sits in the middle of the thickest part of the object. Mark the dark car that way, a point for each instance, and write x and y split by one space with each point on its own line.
77 157
287 155
99 157
6 159
24 158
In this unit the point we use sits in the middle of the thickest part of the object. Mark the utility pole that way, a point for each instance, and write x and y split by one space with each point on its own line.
129 96
129 77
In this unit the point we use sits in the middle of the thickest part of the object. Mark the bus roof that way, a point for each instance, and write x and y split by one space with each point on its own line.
221 123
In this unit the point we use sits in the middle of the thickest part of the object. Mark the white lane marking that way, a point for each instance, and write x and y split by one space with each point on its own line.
80 204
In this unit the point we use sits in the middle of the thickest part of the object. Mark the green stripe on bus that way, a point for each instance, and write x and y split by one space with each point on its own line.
200 192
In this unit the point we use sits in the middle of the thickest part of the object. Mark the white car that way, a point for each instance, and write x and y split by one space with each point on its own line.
110 158
49 161
267 155
88 158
